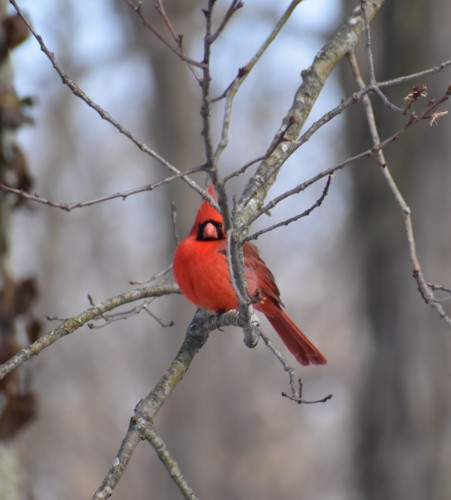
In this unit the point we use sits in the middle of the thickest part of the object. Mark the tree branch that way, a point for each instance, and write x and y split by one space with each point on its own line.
72 324
176 50
431 113
123 195
314 79
295 218
78 92
425 290
243 73
171 465
141 424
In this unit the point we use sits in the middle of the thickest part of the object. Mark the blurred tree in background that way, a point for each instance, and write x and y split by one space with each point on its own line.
404 408
344 271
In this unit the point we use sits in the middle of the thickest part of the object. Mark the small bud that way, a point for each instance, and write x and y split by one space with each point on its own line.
416 93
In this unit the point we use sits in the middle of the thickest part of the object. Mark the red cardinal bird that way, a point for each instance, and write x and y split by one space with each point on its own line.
201 271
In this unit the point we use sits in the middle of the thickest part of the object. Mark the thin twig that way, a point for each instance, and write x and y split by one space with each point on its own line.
385 100
235 263
299 399
425 291
142 421
69 206
242 74
145 307
429 113
242 169
164 273
170 464
313 80
234 7
305 213
78 92
283 361
127 314
245 70
176 50
117 468
235 257
72 324
293 145
368 48
178 38
415 76
205 110
441 288
174 222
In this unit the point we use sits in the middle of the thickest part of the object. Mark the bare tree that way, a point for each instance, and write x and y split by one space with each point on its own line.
401 427
216 114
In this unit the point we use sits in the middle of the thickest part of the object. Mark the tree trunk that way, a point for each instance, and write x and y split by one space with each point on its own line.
404 407
17 402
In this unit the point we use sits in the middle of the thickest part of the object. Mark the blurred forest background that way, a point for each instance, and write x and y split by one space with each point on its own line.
344 271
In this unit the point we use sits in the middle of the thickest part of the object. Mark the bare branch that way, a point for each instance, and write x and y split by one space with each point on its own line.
128 446
300 399
425 291
78 92
243 72
128 313
164 273
235 263
305 213
174 222
415 76
235 257
243 169
178 50
141 424
234 7
290 146
205 110
169 462
427 114
286 366
368 48
68 207
314 78
72 324
441 288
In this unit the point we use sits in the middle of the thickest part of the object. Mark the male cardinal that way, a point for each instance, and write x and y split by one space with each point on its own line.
201 271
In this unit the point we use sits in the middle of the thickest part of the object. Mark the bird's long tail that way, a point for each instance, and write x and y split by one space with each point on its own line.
298 344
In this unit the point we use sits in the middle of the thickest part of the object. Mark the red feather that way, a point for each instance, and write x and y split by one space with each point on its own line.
200 269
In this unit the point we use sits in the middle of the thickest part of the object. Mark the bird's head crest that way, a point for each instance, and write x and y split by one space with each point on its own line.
206 211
